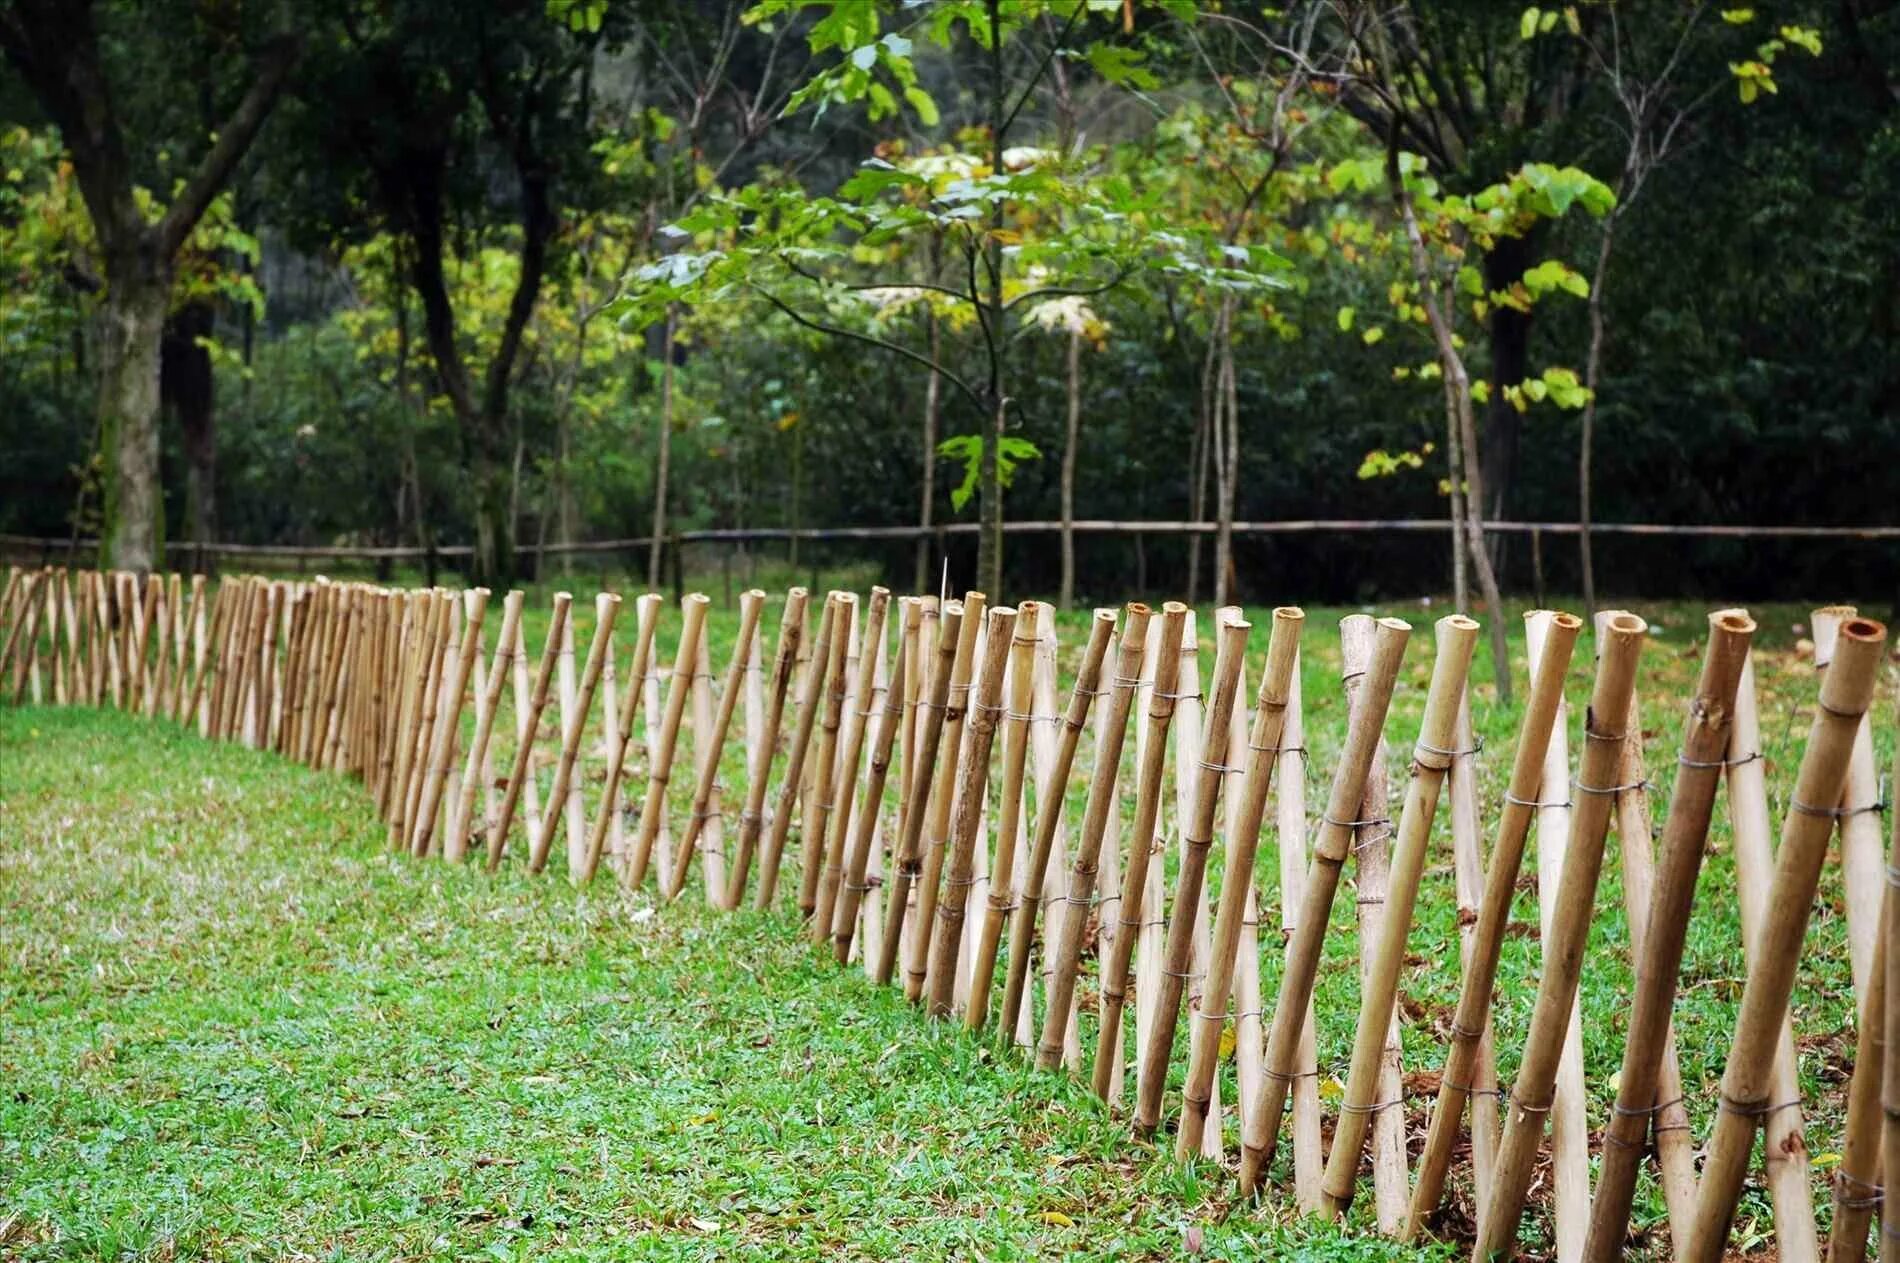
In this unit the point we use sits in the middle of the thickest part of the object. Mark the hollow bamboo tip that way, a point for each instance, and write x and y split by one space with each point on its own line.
1824 626
1457 625
1398 625
1731 623
1849 684
1173 609
1291 615
561 601
605 601
1102 616
752 594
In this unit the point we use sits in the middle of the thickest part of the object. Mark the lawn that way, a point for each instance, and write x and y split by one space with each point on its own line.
231 1026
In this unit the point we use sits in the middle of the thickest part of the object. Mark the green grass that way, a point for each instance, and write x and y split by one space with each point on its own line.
232 1027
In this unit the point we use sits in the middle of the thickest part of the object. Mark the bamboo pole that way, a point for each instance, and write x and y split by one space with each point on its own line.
660 758
487 703
1431 759
1197 838
1862 862
1002 896
1535 740
854 887
1666 925
647 607
845 775
907 856
528 723
707 778
1049 800
1044 746
606 609
1289 817
1103 801
1890 1036
345 620
823 786
966 819
416 740
791 630
27 632
1857 1181
1468 878
1554 1011
937 815
809 701
868 935
198 709
1142 840
1263 743
1330 848
1745 1099
439 758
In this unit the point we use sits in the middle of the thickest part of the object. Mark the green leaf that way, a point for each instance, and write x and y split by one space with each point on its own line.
1345 319
1373 336
1527 24
1738 17
920 101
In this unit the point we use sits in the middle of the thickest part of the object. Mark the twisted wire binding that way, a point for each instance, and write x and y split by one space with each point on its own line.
1756 1110
1509 797
1632 1111
1183 974
1177 696
1128 681
1222 768
1577 784
1260 749
1872 1196
958 882
1441 751
1079 691
1528 1109
1347 1107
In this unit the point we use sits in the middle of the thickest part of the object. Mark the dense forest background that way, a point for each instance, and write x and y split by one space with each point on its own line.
508 272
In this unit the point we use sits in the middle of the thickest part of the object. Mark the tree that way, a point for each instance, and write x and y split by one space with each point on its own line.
59 48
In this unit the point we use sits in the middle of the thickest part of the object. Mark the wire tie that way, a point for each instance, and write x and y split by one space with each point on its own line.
1577 784
1509 797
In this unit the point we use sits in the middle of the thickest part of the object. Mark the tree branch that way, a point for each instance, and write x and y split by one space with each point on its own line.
234 138
871 339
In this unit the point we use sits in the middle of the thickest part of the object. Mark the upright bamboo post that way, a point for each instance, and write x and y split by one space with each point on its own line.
791 630
528 723
660 761
1197 838
1666 925
937 814
817 832
450 726
966 819
1431 759
1472 1017
1890 1038
1862 887
1747 1080
1045 743
1857 1181
1263 743
1564 941
1467 847
845 776
907 856
1049 798
647 607
1102 802
1002 895
868 936
1330 848
750 604
854 887
810 700
455 843
417 741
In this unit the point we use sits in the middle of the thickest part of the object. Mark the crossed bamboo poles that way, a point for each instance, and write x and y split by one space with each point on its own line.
376 683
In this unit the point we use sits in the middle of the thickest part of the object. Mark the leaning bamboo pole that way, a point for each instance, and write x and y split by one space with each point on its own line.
1858 1190
1859 820
606 609
707 777
868 935
907 853
1563 943
823 777
1289 822
937 811
1142 841
527 725
487 704
451 725
854 886
660 758
791 630
849 755
1044 746
1002 897
1263 745
1747 1079
1197 838
966 817
1666 925
1890 1036
1330 848
1049 799
647 607
1467 849
810 701
1472 1017
1431 759
416 742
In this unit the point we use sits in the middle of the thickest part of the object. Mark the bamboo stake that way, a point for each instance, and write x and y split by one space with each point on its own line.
1233 788
451 725
1431 759
1044 746
751 739
416 740
854 887
528 723
1857 1181
823 788
1148 916
660 758
1330 848
1666 924
809 702
1468 877
1289 809
1002 895
26 636
845 774
1862 862
1784 1149
1049 799
198 708
1746 1081
937 814
648 609
707 777
565 805
1890 1036
1554 1012
868 942
1102 802
791 630
1263 745
487 703
966 818
606 608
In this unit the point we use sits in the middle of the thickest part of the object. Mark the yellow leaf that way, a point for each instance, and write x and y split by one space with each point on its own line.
1228 1039
1331 1088
701 1120
1822 1161
1057 1219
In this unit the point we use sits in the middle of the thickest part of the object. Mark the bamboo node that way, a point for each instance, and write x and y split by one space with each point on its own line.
1838 713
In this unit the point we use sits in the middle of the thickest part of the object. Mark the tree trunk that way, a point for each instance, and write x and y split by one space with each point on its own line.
989 563
186 386
927 495
1070 434
1204 423
1592 374
1227 464
132 327
1510 338
663 455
